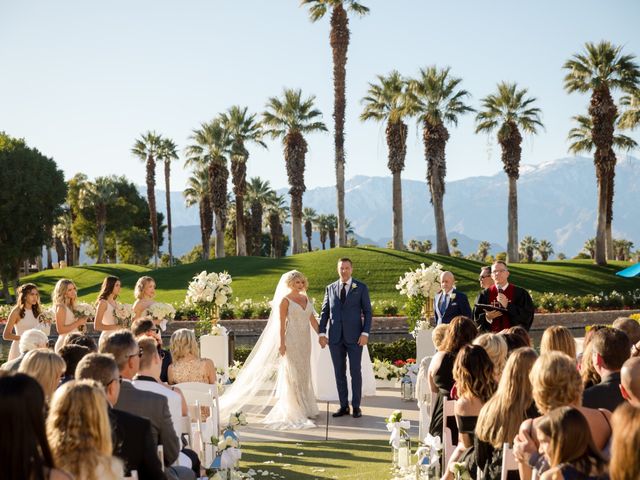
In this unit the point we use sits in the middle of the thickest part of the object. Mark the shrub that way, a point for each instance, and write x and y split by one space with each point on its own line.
262 309
241 353
397 350
387 308
226 312
245 309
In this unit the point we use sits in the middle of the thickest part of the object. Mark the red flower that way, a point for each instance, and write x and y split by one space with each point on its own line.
399 363
411 360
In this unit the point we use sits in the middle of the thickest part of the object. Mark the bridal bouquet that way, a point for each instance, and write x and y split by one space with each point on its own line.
84 310
45 319
208 293
5 310
420 286
163 312
123 313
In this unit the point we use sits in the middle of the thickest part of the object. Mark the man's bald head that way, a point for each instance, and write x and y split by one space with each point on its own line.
446 281
630 380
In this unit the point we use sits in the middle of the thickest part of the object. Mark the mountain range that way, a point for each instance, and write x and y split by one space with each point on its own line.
557 201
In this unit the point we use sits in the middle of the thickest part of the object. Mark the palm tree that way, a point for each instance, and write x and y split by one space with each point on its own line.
348 228
332 226
545 249
589 247
146 148
198 192
600 70
528 246
259 195
437 101
386 101
309 216
242 128
510 111
427 246
289 118
211 146
277 214
167 152
454 248
322 225
582 141
630 117
339 40
98 196
483 250
622 249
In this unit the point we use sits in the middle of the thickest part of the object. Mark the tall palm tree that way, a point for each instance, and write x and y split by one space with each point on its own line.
600 70
582 141
589 247
309 216
332 226
322 225
290 118
198 192
386 101
528 247
259 195
211 146
277 214
339 40
167 152
483 250
98 196
437 101
509 111
146 149
545 249
243 128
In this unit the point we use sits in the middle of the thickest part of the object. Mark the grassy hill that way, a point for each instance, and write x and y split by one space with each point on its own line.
256 277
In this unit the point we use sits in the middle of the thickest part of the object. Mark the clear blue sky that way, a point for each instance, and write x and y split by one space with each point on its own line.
81 80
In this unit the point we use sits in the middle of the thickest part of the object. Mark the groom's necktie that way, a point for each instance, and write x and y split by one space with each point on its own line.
343 293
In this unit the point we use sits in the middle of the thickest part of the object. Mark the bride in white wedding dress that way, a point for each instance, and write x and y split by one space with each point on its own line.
287 370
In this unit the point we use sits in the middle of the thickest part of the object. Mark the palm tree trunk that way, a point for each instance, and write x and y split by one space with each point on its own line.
151 198
239 174
512 221
600 257
219 238
339 40
610 189
167 187
308 230
396 133
435 138
294 156
398 237
218 176
102 227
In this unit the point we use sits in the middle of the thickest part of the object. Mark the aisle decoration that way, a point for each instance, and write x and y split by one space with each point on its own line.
207 293
228 449
162 312
123 313
460 471
45 319
399 439
421 287
428 467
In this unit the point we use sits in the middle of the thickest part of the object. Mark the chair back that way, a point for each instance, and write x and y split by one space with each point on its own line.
509 462
448 411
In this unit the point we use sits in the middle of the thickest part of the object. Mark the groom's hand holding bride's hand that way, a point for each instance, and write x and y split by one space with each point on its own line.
323 341
363 340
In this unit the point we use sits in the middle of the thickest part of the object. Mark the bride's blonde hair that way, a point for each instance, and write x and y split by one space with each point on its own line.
294 275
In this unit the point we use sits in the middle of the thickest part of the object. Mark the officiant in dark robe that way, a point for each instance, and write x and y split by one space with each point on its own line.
514 304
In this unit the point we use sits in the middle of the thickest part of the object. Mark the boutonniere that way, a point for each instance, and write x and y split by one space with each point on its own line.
354 286
453 296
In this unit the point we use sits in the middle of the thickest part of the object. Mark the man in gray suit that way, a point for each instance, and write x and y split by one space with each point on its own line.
123 346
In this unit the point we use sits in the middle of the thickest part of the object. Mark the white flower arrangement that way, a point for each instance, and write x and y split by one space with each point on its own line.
207 293
47 316
237 419
161 311
84 310
227 442
423 281
384 370
123 313
5 310
234 370
421 324
217 330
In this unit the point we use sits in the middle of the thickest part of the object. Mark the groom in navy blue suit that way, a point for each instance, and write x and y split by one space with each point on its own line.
346 303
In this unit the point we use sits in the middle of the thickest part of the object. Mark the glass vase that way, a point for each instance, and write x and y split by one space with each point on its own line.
402 454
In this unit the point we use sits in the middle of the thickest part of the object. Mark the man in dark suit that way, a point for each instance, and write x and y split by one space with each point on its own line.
516 302
132 439
630 381
347 304
610 350
450 302
123 346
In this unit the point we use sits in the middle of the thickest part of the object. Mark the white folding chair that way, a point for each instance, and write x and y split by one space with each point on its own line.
509 462
448 411
207 396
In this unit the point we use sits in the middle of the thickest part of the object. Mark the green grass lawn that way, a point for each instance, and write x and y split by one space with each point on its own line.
345 459
380 268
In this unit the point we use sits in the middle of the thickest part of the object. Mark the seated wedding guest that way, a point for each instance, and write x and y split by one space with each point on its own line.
610 351
521 332
79 432
72 354
558 338
146 327
566 441
144 291
122 345
629 326
79 338
23 317
485 278
625 445
64 297
461 332
105 320
29 340
496 347
500 418
438 334
46 367
475 381
630 381
590 376
132 439
517 302
514 341
556 383
449 302
24 446
187 366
